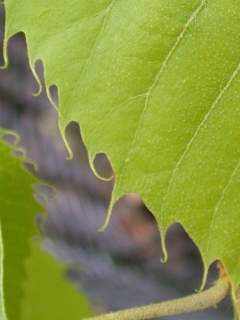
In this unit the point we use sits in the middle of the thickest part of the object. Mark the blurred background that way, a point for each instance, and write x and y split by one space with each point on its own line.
116 269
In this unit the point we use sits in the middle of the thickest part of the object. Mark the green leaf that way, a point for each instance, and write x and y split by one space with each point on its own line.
155 85
17 227
31 285
47 295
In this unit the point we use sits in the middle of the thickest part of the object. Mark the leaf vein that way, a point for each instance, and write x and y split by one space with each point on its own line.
157 78
200 126
107 15
219 202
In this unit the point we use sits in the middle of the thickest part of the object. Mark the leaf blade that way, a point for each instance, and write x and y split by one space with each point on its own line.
31 284
156 87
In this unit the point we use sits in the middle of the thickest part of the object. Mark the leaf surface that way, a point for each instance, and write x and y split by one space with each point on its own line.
156 86
31 284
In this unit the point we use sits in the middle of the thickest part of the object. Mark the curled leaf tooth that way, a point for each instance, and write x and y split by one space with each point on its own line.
50 97
66 143
114 199
164 258
92 161
4 51
7 135
39 83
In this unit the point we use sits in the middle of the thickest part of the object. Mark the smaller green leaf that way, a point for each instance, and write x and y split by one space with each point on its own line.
31 284
46 294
